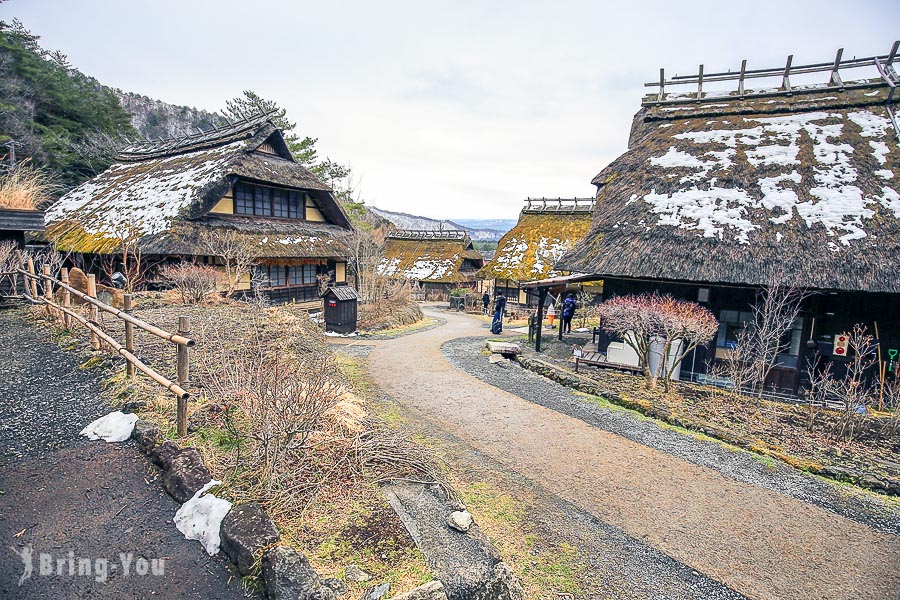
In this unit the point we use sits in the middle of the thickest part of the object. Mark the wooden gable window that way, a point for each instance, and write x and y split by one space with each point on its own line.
265 201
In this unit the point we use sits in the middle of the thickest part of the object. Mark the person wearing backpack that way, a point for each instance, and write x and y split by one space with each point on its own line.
568 311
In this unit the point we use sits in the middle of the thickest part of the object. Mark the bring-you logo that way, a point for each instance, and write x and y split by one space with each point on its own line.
67 564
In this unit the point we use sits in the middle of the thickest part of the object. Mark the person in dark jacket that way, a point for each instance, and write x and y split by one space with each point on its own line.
499 307
568 311
486 301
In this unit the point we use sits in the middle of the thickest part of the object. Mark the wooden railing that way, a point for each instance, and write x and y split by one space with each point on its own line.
64 313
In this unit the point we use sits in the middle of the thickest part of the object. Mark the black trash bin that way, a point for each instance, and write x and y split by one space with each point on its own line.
340 309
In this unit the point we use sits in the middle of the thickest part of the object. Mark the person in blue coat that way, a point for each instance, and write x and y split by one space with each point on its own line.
568 311
499 307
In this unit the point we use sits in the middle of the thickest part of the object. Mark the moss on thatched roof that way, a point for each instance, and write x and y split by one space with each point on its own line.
734 190
429 256
529 250
152 193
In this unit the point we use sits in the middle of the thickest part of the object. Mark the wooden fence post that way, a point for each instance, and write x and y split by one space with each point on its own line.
47 285
94 311
33 280
184 373
67 297
129 335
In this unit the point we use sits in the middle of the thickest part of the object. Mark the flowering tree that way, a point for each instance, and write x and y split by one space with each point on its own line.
654 323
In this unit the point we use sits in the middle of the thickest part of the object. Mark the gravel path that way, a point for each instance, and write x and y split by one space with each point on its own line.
40 418
465 354
759 542
62 494
612 563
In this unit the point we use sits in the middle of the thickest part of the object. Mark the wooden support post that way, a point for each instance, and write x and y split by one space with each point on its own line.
786 78
33 278
183 369
741 80
15 283
94 311
700 84
48 288
129 335
835 76
67 297
662 85
539 321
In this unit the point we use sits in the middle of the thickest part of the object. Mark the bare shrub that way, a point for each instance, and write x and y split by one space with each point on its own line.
387 312
194 282
11 257
295 427
652 320
761 341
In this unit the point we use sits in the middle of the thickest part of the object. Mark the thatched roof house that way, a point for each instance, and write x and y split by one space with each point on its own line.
729 190
164 198
719 192
435 258
546 230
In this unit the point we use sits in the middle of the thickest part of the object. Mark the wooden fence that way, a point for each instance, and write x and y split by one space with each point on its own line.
39 288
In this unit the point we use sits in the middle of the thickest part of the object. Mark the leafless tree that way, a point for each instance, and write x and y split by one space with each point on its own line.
237 254
650 320
764 338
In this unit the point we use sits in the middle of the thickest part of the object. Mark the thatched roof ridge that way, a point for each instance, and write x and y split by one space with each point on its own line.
530 250
429 256
733 190
146 198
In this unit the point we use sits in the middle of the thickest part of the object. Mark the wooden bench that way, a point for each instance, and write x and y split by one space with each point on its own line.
595 359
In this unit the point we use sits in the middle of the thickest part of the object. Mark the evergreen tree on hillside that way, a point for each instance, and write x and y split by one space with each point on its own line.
52 111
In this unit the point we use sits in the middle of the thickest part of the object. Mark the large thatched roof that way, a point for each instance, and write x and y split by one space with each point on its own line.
546 230
161 195
429 256
730 190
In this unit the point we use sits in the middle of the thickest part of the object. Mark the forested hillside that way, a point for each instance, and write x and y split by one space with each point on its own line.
54 114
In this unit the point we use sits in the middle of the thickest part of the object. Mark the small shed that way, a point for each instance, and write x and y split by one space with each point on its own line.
340 308
14 223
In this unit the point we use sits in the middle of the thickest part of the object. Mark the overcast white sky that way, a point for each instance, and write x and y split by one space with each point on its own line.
451 108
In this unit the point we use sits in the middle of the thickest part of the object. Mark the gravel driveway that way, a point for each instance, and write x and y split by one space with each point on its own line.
753 538
65 497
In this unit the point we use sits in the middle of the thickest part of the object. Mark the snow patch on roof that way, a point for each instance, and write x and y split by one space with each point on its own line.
835 201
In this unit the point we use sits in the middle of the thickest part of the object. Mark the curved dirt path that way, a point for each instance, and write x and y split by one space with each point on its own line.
759 542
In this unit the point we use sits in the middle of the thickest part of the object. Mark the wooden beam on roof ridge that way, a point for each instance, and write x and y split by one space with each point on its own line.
786 79
835 75
741 80
700 84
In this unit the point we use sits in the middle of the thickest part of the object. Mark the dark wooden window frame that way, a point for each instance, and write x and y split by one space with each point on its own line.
258 200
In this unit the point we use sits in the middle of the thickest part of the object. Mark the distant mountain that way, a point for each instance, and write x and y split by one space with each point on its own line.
408 221
503 225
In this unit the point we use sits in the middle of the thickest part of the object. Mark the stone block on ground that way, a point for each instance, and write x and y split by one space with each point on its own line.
245 531
289 576
503 585
186 475
147 436
162 455
433 590
335 585
505 348
464 562
460 520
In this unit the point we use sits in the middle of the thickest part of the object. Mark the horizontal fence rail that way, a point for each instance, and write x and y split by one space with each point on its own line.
63 312
883 68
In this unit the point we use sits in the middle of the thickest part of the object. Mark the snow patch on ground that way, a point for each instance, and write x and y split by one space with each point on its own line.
340 335
114 427
200 518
